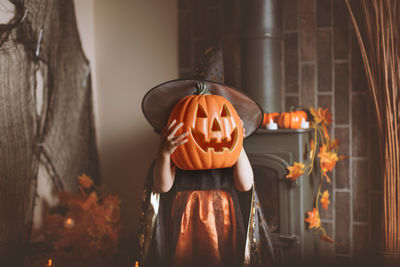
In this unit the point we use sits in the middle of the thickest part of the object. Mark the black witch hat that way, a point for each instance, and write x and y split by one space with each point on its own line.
158 103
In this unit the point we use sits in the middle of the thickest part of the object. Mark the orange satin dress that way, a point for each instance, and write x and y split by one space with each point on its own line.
207 231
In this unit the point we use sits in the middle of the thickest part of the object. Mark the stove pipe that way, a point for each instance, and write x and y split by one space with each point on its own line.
261 42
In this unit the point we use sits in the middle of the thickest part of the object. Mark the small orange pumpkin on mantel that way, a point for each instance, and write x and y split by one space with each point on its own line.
215 137
291 119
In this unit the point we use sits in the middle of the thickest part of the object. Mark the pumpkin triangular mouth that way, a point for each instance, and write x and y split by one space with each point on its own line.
225 144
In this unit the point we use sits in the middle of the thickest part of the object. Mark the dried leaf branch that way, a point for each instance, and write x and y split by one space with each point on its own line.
377 27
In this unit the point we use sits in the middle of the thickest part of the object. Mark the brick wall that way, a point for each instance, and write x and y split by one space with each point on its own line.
321 67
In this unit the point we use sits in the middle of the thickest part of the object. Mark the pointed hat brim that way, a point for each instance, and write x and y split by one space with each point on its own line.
159 101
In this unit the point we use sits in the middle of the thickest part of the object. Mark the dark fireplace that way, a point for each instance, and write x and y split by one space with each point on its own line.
284 202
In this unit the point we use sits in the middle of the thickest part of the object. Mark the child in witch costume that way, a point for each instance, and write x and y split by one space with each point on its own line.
208 230
192 205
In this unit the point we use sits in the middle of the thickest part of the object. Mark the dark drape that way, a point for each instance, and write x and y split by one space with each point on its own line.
57 135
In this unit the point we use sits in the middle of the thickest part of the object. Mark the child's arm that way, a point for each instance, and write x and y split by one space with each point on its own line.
243 173
164 170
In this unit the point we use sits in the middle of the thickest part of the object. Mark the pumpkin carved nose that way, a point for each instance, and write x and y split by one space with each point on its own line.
215 126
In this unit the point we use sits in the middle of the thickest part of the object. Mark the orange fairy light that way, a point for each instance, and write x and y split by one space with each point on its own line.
136 264
69 223
50 263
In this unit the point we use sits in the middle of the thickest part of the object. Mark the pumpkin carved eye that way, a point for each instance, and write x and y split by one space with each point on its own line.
225 111
201 113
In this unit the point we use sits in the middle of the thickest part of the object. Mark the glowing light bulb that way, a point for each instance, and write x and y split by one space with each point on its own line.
69 223
50 262
137 264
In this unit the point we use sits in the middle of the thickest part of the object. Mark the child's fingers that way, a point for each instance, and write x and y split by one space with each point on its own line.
177 144
179 137
165 131
176 128
181 142
178 140
171 124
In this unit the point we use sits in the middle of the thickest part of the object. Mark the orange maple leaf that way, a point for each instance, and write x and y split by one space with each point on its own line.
313 219
325 200
322 115
85 181
328 239
328 159
295 171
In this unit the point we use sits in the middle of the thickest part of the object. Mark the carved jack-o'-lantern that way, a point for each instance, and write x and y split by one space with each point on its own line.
215 137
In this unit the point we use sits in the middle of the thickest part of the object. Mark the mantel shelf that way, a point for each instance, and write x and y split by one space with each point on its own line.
283 131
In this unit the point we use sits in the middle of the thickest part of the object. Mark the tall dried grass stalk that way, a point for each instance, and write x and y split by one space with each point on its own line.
377 26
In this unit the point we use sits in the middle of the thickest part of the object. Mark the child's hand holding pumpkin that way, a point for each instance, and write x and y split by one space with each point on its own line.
164 170
169 142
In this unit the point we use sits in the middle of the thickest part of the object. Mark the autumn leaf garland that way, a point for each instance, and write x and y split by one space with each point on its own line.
328 156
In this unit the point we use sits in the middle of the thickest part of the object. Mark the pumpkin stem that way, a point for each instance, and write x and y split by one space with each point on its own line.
201 89
294 108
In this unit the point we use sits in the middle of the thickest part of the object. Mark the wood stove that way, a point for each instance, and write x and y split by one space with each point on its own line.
284 202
